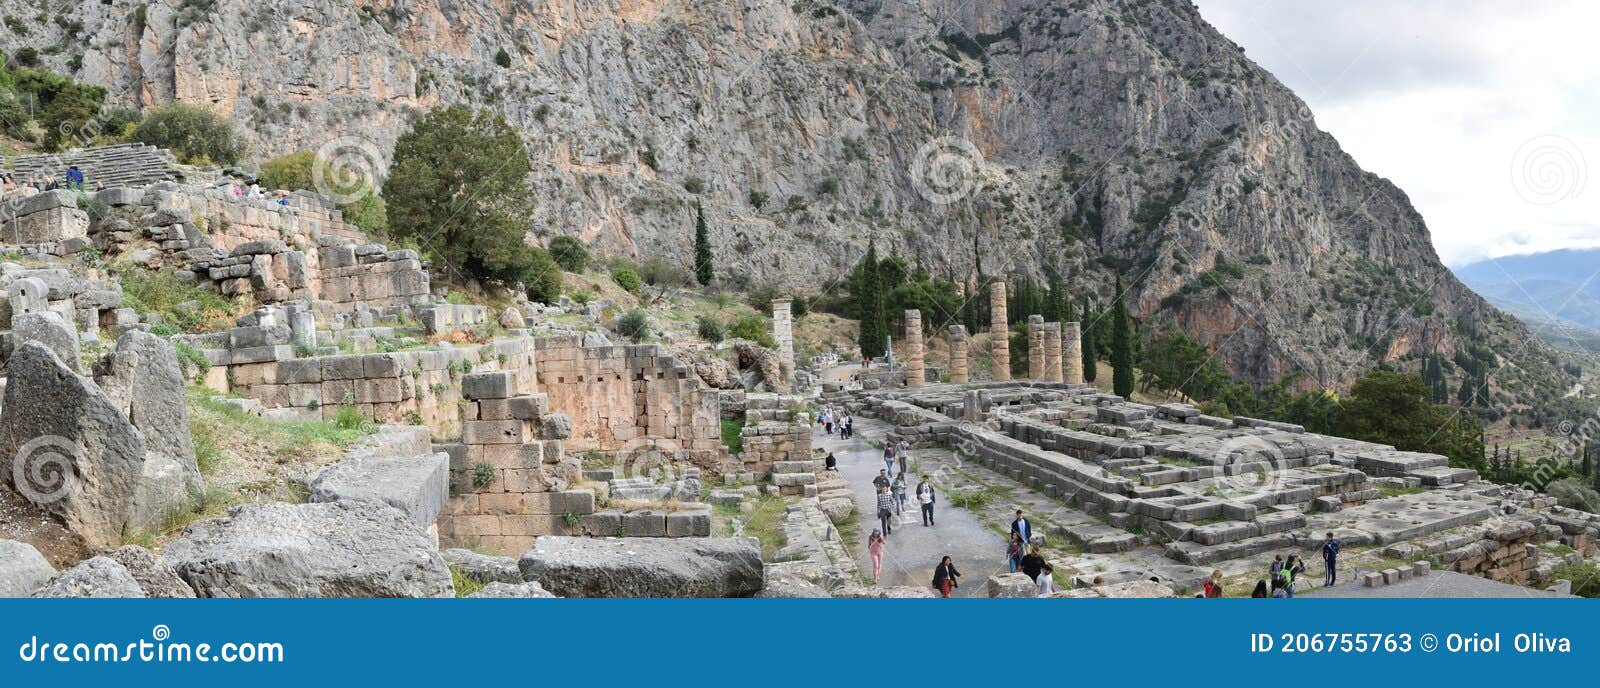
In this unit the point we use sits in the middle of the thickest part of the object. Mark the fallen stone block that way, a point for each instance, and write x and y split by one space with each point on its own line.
1012 585
98 577
154 576
645 567
419 486
339 549
22 569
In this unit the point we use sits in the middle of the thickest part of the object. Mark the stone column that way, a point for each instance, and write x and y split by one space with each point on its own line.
958 355
1071 353
999 332
916 375
1035 347
783 334
1052 352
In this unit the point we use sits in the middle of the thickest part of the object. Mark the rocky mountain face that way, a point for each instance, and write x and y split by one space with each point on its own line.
1000 137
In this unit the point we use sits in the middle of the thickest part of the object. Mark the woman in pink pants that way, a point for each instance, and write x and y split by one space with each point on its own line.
875 548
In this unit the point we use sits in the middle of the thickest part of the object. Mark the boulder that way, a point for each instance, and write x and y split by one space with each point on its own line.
645 567
153 575
418 486
22 569
340 549
77 457
482 568
511 319
50 329
94 577
1012 585
790 587
143 378
511 590
837 509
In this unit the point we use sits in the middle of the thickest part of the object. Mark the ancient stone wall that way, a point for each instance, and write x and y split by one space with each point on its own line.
1071 353
777 444
621 397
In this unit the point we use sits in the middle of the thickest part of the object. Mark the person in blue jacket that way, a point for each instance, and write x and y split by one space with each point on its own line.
1330 558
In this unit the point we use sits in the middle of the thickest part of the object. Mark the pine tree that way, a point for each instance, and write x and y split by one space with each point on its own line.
702 248
869 303
1121 347
1090 346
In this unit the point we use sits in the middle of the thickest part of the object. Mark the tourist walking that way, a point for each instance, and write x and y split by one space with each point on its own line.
944 576
898 489
1014 552
1275 573
882 481
74 178
885 510
1261 589
902 453
1213 584
888 457
925 497
875 548
1047 581
1020 526
1032 564
1292 567
1330 559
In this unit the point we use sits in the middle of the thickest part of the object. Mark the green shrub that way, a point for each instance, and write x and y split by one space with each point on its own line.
1573 494
195 133
348 418
757 198
634 325
754 328
658 272
183 305
711 329
502 58
627 279
1585 577
569 253
730 435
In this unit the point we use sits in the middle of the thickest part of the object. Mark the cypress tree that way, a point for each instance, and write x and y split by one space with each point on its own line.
1090 346
869 303
1121 347
702 248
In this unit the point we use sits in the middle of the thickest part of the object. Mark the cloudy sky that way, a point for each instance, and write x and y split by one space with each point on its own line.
1486 113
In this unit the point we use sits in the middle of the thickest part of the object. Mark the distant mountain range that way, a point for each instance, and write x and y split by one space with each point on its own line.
1556 293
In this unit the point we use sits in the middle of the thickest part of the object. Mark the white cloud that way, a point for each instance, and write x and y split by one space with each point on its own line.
1486 114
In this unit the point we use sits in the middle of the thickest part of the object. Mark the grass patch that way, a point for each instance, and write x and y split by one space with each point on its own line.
730 435
464 584
220 430
764 522
185 306
972 500
1585 578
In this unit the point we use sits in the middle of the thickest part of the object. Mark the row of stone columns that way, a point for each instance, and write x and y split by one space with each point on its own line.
1055 350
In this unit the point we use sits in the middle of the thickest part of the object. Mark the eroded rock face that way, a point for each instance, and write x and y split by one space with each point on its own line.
94 577
22 569
154 576
143 378
498 590
418 486
50 329
645 567
483 568
339 549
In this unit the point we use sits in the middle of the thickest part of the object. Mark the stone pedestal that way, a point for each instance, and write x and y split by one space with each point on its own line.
1035 347
1071 353
958 355
783 335
1052 352
999 333
916 375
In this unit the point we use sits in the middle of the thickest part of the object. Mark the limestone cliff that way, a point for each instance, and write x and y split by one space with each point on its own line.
1013 136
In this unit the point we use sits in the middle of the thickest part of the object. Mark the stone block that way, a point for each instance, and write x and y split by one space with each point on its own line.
644 523
493 385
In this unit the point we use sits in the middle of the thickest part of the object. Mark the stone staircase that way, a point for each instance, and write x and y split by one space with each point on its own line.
127 164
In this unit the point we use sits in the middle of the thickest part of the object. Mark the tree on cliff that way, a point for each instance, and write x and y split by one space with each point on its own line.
866 290
1121 347
702 248
1393 408
457 188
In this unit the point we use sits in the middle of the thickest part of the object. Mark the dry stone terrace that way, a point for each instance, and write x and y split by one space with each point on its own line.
1202 491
